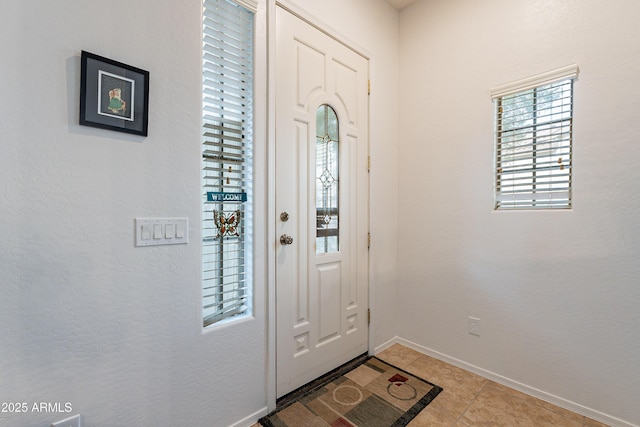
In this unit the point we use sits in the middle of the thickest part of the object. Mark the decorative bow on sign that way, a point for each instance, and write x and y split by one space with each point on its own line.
228 224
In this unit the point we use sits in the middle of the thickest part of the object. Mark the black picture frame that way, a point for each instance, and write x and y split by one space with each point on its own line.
113 95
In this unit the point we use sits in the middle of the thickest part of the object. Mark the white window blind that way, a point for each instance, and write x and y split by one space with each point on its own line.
227 168
534 136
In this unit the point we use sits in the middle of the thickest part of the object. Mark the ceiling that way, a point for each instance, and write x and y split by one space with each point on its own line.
400 4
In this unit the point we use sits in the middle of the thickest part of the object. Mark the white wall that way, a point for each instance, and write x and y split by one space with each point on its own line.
557 292
86 317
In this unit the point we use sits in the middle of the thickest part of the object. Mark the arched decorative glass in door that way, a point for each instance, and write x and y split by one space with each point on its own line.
327 183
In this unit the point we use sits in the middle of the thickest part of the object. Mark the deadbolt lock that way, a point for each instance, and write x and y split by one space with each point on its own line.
284 217
286 239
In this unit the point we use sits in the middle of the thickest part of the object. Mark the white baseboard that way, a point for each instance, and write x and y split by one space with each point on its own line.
251 419
531 391
386 345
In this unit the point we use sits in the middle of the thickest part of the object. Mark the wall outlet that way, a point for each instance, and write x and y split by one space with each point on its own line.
474 326
68 422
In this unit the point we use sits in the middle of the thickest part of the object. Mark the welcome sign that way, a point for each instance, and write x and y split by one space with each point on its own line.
218 196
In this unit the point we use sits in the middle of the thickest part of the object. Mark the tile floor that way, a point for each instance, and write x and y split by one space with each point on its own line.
469 400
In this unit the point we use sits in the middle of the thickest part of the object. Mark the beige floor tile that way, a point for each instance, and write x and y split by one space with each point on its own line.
460 387
432 417
561 411
546 405
444 374
399 355
500 406
451 403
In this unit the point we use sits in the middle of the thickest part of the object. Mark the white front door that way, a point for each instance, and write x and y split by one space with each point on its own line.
321 202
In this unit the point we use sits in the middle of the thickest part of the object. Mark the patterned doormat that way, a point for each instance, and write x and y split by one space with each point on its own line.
373 394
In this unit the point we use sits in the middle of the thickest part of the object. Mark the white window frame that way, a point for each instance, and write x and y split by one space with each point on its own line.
227 149
534 142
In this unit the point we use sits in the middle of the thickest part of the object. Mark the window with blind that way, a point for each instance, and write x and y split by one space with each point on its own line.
534 137
227 133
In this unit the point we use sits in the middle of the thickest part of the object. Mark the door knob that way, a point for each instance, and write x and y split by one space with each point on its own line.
286 239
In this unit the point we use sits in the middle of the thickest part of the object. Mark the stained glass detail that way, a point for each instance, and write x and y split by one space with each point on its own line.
327 183
228 225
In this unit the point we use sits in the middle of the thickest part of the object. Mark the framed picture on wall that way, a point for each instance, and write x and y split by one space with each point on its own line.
113 95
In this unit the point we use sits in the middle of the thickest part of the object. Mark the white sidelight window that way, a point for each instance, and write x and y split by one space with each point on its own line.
534 137
227 160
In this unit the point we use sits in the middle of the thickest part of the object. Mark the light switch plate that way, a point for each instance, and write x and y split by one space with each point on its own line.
161 231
